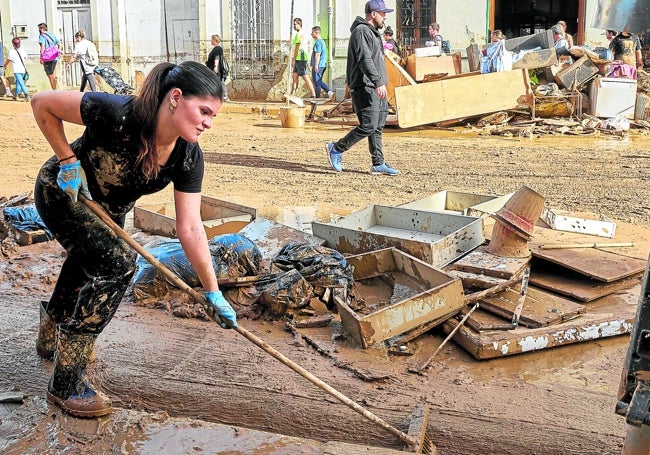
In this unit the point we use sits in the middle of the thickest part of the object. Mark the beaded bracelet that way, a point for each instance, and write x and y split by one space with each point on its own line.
67 158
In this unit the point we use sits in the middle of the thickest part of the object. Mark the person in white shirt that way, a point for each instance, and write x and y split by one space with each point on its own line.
17 57
85 53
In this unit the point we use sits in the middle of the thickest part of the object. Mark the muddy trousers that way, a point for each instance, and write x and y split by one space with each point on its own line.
97 269
372 112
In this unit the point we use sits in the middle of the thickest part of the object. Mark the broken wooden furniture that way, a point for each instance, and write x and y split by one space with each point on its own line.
418 67
393 293
434 237
447 99
397 76
219 217
576 75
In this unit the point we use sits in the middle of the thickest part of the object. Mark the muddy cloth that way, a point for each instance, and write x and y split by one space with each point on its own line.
319 265
25 218
233 255
276 292
114 80
99 265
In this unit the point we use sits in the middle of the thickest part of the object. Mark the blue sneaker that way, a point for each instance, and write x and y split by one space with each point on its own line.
335 157
384 169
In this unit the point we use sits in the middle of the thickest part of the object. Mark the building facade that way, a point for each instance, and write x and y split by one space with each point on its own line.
133 35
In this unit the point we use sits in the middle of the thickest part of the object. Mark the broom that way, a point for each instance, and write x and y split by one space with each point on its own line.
418 443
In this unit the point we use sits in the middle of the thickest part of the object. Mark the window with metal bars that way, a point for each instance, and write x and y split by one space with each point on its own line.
251 49
413 19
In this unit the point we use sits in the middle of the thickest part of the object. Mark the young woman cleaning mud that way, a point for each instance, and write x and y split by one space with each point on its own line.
131 146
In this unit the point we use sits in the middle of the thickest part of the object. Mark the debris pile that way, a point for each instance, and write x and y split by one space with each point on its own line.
525 96
500 275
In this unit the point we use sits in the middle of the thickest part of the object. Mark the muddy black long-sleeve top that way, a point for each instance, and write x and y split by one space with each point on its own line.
108 154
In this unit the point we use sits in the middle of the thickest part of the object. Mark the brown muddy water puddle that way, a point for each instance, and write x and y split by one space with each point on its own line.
183 437
132 432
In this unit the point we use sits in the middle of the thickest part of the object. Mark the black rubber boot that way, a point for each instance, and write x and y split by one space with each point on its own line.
46 334
67 387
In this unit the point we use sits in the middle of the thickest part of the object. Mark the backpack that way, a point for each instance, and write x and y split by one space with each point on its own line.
91 58
224 68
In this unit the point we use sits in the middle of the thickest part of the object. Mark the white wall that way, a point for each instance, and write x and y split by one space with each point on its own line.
146 28
593 36
462 22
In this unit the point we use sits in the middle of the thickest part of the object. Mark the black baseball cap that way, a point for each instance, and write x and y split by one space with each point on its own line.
377 5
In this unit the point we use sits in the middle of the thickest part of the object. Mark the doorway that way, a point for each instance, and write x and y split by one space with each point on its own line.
519 18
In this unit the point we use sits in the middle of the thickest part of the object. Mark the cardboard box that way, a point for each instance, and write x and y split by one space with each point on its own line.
419 294
568 221
418 67
436 238
219 217
611 97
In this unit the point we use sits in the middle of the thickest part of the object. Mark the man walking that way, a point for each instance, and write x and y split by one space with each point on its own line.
366 77
300 58
319 63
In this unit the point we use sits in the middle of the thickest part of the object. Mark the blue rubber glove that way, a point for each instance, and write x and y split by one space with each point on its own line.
219 308
72 180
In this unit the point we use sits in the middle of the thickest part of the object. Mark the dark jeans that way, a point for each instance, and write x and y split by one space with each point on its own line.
317 76
371 112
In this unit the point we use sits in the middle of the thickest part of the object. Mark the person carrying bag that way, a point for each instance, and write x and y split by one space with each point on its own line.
16 57
50 52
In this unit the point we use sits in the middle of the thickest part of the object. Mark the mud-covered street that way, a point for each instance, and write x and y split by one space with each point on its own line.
555 401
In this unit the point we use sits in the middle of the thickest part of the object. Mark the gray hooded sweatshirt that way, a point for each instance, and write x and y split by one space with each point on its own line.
366 66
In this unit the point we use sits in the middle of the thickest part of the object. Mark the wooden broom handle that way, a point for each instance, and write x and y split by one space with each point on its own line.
175 280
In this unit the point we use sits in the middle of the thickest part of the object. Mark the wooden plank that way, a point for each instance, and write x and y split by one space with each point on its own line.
593 262
481 262
22 237
474 280
541 308
473 57
454 98
397 76
483 320
609 316
572 284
